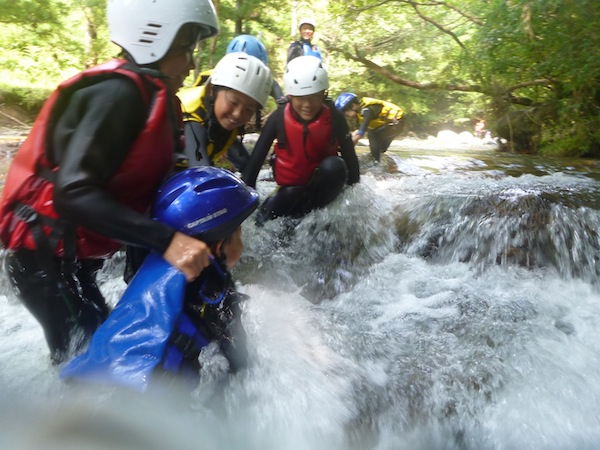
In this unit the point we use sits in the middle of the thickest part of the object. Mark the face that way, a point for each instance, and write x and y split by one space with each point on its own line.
178 61
307 106
350 113
233 248
307 31
233 109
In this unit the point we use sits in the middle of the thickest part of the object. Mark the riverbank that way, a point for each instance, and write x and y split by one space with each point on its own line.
15 124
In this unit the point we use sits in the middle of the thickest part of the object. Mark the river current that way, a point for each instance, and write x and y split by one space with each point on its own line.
450 300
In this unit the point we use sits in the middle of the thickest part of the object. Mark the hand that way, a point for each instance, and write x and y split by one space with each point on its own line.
356 137
187 254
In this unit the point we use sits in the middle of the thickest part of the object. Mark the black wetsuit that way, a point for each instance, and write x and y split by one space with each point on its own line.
89 142
296 49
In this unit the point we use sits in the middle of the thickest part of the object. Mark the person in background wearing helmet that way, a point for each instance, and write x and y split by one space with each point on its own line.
81 184
304 47
382 120
253 46
161 323
247 44
311 134
215 113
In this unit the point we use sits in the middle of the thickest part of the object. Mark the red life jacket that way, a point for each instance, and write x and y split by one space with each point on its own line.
134 184
305 146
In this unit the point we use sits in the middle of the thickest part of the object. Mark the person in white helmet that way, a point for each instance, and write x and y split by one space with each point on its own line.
304 46
215 113
82 183
314 156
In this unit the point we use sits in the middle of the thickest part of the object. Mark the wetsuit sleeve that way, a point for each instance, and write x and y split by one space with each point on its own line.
260 151
276 91
368 115
238 155
91 140
342 132
196 143
295 49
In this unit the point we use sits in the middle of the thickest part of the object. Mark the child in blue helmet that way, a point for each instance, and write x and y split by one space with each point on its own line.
253 46
381 119
162 322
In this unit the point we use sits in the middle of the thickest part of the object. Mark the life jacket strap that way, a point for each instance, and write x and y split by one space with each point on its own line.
185 343
45 245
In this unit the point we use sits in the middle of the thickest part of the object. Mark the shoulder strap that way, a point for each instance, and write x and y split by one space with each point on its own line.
335 118
281 139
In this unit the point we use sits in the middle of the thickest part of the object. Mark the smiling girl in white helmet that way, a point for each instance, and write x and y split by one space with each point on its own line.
215 113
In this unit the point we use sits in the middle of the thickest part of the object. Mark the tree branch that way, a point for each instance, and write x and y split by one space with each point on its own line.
403 81
508 92
435 24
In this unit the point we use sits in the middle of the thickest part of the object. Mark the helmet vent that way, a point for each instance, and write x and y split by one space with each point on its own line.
149 35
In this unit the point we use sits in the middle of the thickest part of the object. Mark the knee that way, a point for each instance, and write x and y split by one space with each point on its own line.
333 171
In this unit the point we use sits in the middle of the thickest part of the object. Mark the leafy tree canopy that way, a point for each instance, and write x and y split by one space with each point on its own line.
443 61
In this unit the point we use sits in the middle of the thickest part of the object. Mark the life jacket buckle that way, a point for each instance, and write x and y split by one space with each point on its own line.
26 213
184 344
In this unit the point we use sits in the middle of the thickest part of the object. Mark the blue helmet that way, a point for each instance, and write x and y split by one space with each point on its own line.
344 100
205 202
250 45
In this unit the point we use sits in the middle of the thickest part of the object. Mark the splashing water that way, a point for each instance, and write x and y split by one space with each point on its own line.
453 304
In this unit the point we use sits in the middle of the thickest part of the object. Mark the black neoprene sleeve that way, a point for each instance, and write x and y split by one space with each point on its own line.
90 141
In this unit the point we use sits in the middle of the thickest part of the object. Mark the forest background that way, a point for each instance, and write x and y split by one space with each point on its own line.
530 68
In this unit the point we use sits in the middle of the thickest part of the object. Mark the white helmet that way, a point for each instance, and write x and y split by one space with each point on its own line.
146 28
305 75
308 21
244 73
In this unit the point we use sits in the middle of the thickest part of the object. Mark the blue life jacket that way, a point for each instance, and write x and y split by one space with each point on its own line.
136 337
311 50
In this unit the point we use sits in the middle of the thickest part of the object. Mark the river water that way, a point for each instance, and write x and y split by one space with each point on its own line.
448 301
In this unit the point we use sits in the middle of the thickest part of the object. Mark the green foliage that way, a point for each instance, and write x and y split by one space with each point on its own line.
44 42
443 62
30 98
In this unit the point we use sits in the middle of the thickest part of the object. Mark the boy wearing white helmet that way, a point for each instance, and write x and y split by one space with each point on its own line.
304 46
82 182
215 113
311 135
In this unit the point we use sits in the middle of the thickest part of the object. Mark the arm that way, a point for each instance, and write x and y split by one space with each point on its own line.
260 151
342 133
92 139
276 91
368 115
196 143
295 49
238 155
